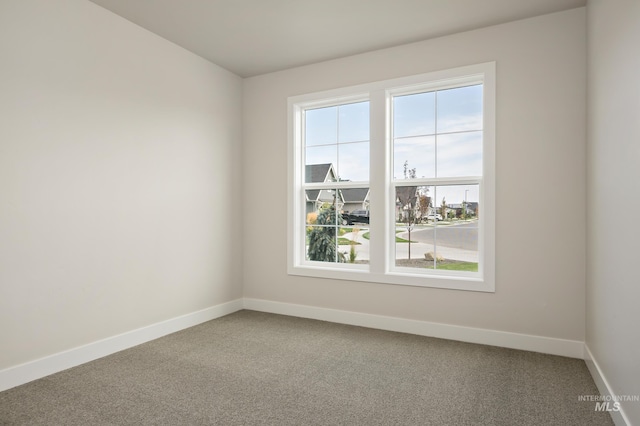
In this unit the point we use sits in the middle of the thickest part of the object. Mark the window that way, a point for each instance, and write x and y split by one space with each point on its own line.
336 178
393 182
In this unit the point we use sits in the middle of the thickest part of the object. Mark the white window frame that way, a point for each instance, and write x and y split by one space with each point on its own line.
381 267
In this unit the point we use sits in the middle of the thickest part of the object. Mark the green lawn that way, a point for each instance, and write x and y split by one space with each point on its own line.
459 266
343 231
346 242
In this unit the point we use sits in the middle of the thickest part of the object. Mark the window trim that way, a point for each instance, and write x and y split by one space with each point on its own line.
381 268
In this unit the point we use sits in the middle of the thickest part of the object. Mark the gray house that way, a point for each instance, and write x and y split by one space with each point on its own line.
346 200
355 199
315 198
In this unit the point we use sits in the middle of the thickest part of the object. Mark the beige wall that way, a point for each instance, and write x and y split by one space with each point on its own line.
541 189
613 286
119 159
122 166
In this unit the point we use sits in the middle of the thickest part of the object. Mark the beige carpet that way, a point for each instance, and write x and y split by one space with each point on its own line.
253 368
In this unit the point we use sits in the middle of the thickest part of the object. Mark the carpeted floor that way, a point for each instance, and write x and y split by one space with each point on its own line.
252 368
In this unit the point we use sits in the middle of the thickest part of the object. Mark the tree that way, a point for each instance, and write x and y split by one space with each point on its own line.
409 173
407 198
322 239
424 202
443 208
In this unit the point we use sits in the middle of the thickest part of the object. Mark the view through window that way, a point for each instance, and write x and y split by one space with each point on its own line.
395 180
336 142
437 137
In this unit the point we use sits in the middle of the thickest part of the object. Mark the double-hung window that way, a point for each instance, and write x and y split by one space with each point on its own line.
393 181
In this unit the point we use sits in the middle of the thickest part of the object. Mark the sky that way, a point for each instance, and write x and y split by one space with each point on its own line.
438 133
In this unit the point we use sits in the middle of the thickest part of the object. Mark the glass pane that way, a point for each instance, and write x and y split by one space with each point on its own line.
447 237
355 221
320 164
326 159
321 126
321 227
355 205
353 161
354 122
414 157
414 205
457 237
460 109
414 115
460 154
353 244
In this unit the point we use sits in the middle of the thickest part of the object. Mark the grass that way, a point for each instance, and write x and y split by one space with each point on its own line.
459 266
402 240
346 242
342 231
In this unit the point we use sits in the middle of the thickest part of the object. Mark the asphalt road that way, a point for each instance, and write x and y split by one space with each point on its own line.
464 236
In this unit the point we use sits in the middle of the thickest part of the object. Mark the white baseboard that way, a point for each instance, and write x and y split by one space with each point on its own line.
24 373
619 417
547 345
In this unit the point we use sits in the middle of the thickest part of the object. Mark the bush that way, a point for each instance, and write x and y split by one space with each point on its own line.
322 239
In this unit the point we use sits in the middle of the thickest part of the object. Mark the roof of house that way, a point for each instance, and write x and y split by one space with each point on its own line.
316 173
315 195
355 195
312 194
406 194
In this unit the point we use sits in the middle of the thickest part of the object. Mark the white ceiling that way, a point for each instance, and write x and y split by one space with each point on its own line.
252 37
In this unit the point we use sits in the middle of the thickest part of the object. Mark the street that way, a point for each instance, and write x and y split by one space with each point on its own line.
463 236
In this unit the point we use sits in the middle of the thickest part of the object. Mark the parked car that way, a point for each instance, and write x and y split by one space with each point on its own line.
356 216
434 217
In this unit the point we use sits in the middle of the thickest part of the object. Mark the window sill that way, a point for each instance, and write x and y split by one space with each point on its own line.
398 276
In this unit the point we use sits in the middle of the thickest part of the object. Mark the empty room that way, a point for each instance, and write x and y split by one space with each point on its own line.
339 212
